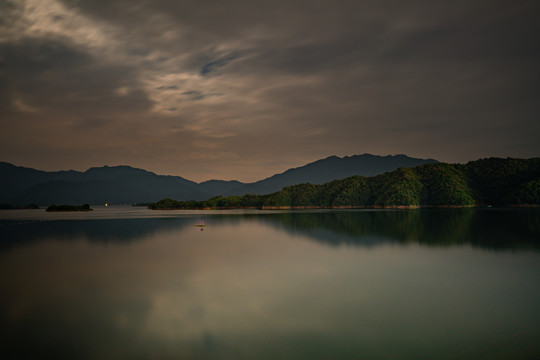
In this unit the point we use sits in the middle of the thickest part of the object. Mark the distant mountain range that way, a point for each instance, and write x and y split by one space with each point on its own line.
484 182
124 184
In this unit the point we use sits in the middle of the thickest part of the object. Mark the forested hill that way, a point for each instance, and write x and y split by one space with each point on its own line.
328 169
124 184
493 181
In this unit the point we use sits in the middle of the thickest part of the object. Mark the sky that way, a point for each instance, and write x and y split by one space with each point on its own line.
244 89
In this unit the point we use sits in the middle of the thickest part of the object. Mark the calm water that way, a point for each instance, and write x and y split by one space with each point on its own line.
127 283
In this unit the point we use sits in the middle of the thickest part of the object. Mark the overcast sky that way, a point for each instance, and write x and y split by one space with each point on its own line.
244 89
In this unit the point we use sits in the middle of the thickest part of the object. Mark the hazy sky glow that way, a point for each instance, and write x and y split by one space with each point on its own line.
244 89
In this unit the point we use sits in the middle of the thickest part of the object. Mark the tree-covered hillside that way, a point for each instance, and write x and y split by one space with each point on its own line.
490 181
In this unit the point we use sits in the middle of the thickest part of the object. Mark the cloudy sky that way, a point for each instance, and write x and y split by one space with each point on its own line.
243 89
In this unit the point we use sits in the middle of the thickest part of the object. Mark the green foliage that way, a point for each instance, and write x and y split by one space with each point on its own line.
305 194
494 179
217 202
280 198
165 204
526 194
231 201
356 191
251 200
398 188
487 181
444 184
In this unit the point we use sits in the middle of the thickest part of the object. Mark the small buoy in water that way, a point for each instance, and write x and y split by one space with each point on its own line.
201 225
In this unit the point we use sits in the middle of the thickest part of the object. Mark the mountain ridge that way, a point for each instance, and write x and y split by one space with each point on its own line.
124 184
328 169
484 182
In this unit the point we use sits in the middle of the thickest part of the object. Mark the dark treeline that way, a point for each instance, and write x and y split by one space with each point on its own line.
492 181
84 207
15 207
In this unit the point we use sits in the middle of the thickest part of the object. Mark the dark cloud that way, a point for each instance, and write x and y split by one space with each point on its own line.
221 89
169 87
194 95
53 76
8 10
57 17
214 64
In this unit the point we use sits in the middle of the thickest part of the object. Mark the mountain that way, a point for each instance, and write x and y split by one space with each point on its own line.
15 179
125 184
219 187
494 181
117 185
329 169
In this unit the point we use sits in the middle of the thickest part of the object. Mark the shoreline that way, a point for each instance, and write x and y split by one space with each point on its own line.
404 207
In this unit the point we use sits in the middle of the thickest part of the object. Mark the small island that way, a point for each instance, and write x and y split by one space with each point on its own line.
84 207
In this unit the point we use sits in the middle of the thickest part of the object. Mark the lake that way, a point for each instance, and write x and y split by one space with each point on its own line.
131 283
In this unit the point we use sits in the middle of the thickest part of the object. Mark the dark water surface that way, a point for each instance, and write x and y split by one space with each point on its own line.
135 284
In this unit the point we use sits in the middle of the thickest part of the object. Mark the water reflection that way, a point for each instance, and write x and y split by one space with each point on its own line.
18 233
268 286
491 229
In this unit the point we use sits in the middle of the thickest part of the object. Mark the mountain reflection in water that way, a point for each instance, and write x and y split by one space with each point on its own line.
413 284
496 229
